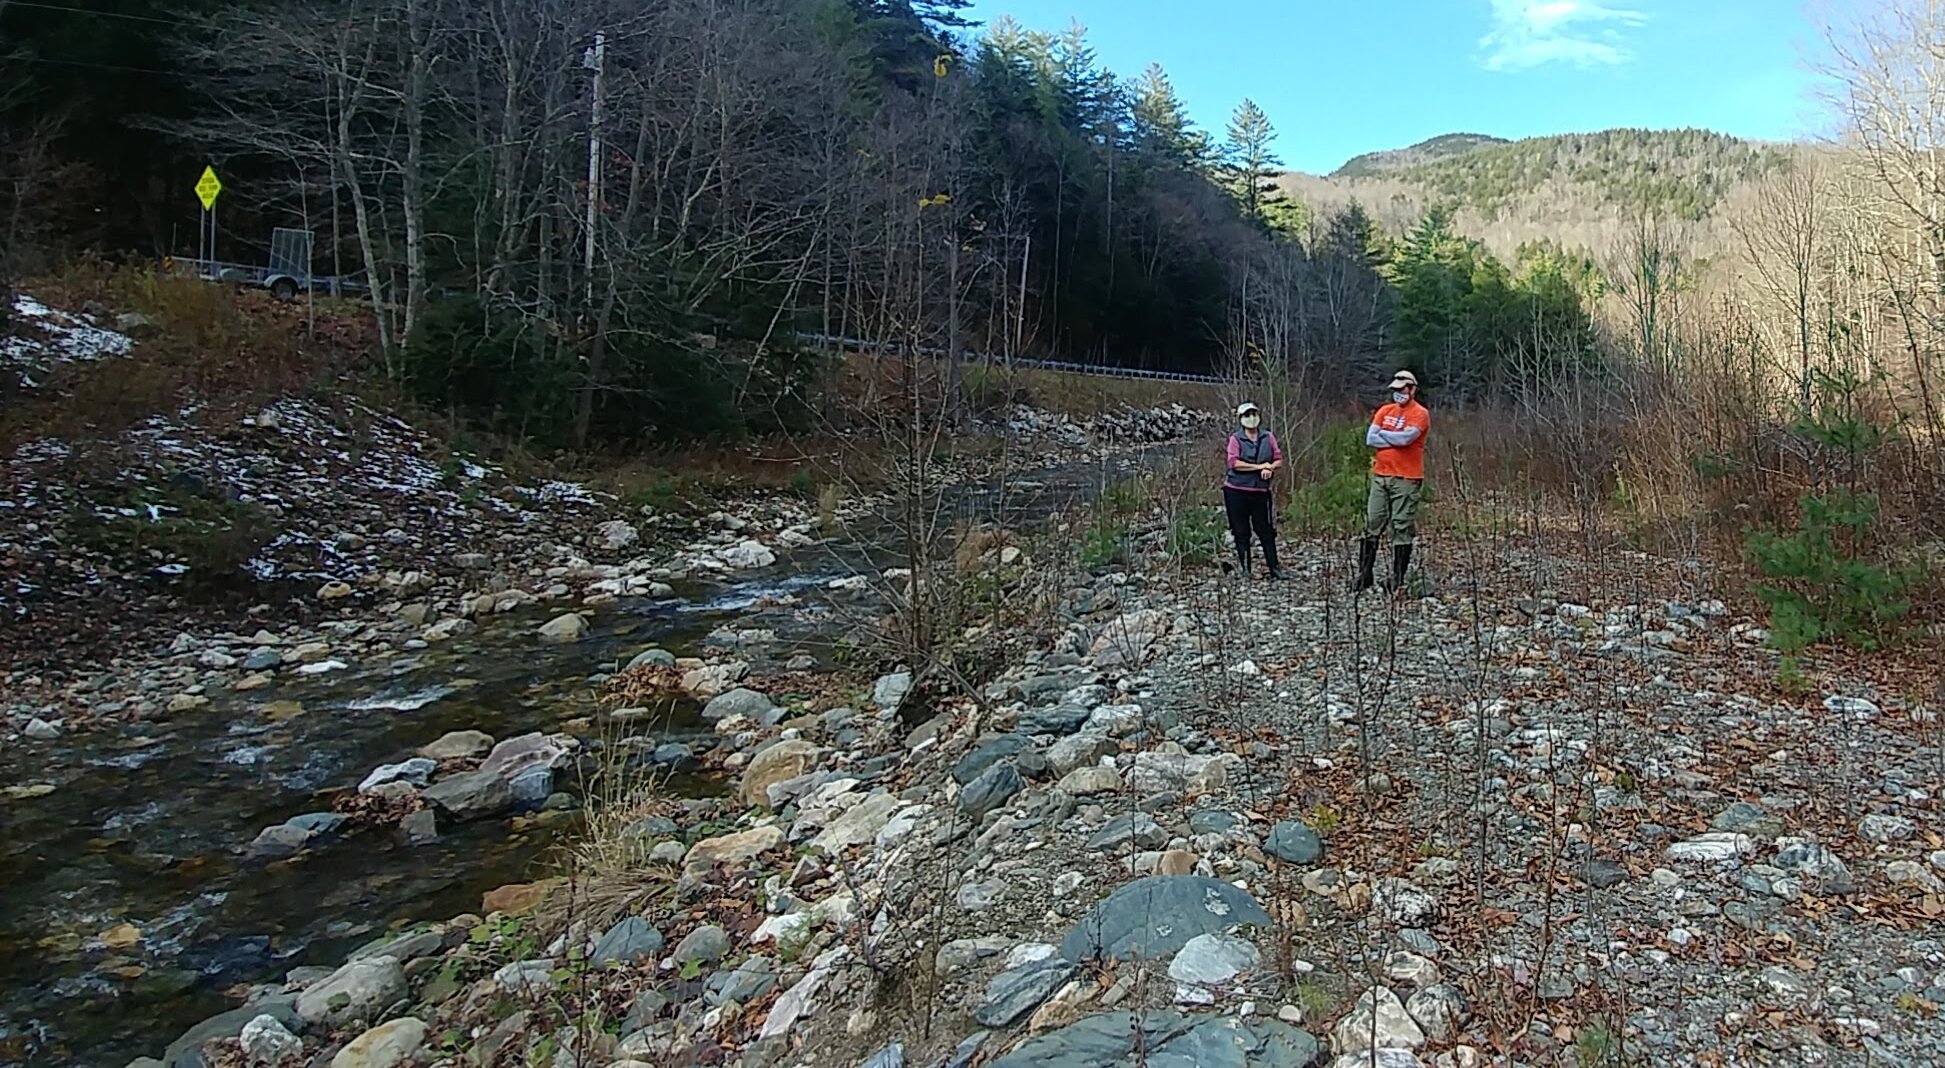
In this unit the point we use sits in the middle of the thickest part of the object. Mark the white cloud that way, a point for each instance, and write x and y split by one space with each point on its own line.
1530 33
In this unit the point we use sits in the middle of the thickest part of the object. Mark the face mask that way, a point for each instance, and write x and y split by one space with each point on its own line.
1251 422
1399 396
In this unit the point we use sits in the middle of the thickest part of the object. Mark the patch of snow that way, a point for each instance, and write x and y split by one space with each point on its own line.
53 337
42 451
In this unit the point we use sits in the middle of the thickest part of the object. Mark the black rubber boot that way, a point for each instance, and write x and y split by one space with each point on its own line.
1242 560
1269 560
1367 558
1400 563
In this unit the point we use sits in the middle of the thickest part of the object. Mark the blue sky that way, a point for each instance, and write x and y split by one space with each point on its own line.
1340 77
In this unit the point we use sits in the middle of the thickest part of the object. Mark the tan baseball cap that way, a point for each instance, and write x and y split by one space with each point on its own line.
1404 378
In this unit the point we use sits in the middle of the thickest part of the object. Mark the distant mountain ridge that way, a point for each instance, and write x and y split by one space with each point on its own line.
1426 151
1572 188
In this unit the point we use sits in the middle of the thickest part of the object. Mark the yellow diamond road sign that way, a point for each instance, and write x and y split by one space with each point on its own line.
207 187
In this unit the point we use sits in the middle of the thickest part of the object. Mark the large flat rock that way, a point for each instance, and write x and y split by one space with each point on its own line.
1167 1040
1154 917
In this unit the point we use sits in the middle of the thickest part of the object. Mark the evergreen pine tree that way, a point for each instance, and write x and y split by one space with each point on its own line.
1248 161
1086 91
1162 123
944 15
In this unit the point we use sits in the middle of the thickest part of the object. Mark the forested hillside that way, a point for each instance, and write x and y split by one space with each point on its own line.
593 221
1426 151
851 167
1572 188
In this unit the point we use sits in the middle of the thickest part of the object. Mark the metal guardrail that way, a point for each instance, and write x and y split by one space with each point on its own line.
1098 370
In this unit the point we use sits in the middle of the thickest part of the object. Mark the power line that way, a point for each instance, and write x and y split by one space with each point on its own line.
4 4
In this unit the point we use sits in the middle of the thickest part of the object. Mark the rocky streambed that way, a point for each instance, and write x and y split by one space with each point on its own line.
149 865
190 822
1192 822
245 805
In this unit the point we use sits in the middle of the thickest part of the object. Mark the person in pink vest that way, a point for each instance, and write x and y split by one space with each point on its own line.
1253 458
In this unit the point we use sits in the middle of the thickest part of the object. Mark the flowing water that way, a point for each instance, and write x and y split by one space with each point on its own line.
146 823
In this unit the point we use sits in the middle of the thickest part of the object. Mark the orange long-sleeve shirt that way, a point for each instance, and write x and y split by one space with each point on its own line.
1402 461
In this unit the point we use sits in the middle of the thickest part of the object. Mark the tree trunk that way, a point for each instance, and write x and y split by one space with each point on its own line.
414 177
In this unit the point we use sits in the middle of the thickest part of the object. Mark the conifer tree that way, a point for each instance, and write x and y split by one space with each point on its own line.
1162 122
1249 164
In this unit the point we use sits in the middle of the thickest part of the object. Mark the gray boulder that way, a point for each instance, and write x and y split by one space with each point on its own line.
991 790
318 824
278 841
231 1024
751 980
616 534
1040 686
1440 1011
296 834
961 955
358 991
402 948
420 827
627 940
1136 828
1012 994
566 628
661 658
988 753
517 756
1167 1040
1377 1021
1602 874
267 1041
470 795
1213 821
1060 720
707 944
741 701
1155 917
1292 841
890 690
1822 871
1127 641
519 771
458 745
416 771
1210 960
1743 817
1079 750
1882 828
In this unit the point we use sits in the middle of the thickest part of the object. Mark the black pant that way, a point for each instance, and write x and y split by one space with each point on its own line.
1251 510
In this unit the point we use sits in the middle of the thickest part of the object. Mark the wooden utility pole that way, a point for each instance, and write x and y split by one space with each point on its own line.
595 59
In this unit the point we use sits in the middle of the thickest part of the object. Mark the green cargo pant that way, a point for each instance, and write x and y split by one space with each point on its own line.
1393 502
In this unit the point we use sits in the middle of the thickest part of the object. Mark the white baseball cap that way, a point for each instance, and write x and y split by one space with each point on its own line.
1404 378
1246 407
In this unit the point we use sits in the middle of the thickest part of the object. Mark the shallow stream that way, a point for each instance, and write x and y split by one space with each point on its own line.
145 823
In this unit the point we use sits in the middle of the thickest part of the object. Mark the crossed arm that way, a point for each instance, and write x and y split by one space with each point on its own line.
1390 439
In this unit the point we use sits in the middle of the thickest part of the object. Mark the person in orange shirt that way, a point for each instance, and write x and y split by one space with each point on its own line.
1397 432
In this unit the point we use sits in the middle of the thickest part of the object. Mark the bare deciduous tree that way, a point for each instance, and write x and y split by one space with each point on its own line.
1782 236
